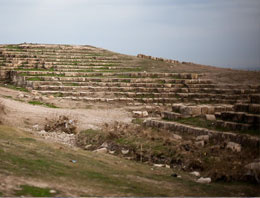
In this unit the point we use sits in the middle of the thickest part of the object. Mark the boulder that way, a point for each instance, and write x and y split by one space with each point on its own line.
253 170
101 150
195 173
177 137
210 117
140 114
203 180
203 137
200 143
234 146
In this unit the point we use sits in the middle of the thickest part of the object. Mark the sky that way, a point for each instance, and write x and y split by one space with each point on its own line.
223 33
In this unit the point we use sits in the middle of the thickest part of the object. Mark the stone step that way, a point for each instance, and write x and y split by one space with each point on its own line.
172 115
234 125
71 68
65 56
35 64
96 70
197 110
250 108
122 79
36 84
244 140
255 99
55 57
123 74
142 95
68 68
240 117
136 89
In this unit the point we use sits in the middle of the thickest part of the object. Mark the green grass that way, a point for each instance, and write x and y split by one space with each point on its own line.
50 74
34 79
21 68
138 121
34 102
33 191
15 87
98 174
15 47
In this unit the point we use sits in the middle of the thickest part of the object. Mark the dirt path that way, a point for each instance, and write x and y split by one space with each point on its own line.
25 115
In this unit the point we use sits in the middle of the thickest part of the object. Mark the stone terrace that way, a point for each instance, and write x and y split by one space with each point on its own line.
94 75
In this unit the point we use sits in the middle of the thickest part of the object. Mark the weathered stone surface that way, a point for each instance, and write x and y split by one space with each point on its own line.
234 146
195 173
203 137
203 180
243 140
210 117
101 150
140 114
253 170
200 143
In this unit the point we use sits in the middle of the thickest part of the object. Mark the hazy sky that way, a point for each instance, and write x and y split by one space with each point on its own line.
215 32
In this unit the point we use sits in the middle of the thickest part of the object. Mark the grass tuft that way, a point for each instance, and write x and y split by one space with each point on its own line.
34 102
33 191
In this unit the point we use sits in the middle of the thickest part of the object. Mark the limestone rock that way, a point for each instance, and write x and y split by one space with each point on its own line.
195 173
88 147
203 180
253 170
101 150
234 146
140 114
203 137
200 143
158 165
124 151
177 137
210 117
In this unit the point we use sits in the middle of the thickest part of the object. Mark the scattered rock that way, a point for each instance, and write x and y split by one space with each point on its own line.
62 124
203 180
104 145
51 96
124 151
253 170
195 173
203 137
34 92
177 137
111 152
210 117
36 98
88 147
101 150
234 146
167 166
53 191
158 165
21 95
140 114
36 127
200 143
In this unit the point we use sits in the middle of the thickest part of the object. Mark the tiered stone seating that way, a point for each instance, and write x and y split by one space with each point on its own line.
244 116
90 74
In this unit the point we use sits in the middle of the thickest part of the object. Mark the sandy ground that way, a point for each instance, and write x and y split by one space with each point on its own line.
24 115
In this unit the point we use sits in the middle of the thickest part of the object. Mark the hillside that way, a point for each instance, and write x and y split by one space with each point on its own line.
90 122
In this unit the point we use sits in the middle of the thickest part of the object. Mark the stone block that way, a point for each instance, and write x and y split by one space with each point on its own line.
234 146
